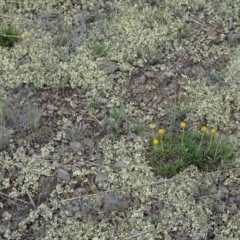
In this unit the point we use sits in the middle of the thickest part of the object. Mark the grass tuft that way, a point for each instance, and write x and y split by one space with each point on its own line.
171 152
118 117
100 49
8 37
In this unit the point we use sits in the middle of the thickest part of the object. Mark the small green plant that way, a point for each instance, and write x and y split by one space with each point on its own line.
33 117
234 39
62 152
216 77
182 32
8 37
4 118
100 49
172 152
36 83
155 220
139 128
153 56
3 137
16 117
63 83
216 208
161 16
118 116
201 191
90 106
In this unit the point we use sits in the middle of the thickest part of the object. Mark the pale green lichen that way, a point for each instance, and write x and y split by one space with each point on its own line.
134 35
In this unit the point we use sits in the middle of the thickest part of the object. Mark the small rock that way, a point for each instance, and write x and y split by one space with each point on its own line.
89 142
159 99
110 67
181 70
65 111
140 80
101 177
99 162
233 193
146 100
118 165
76 146
62 175
233 210
224 190
113 202
75 168
211 33
51 107
163 78
150 74
153 105
76 193
25 59
139 100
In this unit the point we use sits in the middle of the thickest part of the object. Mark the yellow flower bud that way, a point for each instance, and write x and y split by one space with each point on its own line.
203 128
24 36
183 125
213 130
161 131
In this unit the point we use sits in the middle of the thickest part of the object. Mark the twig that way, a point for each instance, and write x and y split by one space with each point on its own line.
121 189
22 19
94 164
221 171
17 199
195 21
94 118
139 234
31 199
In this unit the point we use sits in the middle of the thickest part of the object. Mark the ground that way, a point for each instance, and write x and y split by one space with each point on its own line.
78 92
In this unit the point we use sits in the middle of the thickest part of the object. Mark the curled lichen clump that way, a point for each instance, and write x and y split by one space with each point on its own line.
91 137
223 104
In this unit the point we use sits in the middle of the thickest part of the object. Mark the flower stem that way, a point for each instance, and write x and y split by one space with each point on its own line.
161 143
182 138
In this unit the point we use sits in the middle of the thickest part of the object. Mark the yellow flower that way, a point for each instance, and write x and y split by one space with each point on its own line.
183 125
155 141
24 36
161 131
213 130
203 128
152 125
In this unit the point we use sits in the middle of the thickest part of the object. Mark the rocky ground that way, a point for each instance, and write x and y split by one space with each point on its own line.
78 93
